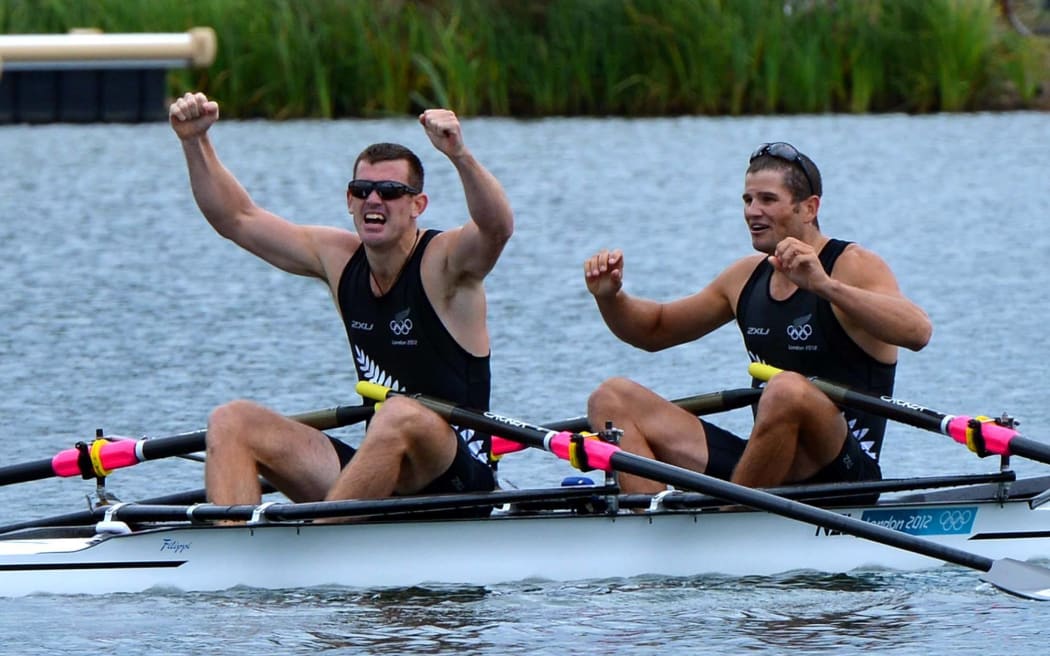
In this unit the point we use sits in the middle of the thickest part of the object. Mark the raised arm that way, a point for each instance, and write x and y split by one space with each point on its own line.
653 326
474 247
232 212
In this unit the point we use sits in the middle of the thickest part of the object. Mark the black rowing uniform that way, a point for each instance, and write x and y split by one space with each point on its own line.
801 333
398 341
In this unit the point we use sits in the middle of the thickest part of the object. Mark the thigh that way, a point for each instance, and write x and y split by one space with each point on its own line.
303 464
790 403
465 474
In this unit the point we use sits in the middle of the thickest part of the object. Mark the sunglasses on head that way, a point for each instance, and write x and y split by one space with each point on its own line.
786 152
387 189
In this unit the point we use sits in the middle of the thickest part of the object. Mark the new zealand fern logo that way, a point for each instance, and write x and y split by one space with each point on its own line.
371 372
860 433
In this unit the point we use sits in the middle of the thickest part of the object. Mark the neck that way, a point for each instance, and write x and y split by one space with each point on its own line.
387 267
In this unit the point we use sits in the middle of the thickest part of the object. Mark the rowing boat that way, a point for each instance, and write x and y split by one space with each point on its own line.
991 523
569 533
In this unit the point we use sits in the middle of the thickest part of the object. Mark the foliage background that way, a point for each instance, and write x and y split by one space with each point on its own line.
338 58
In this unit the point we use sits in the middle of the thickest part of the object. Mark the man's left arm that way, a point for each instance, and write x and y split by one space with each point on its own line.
864 293
475 246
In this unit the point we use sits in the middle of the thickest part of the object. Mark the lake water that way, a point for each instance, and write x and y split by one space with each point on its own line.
122 310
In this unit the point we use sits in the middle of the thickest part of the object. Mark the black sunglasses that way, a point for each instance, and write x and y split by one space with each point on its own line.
788 153
387 189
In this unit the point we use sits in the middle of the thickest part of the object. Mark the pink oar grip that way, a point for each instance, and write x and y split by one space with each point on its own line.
996 438
65 463
501 445
112 455
115 455
599 454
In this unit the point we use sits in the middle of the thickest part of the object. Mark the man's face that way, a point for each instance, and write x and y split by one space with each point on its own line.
769 210
378 220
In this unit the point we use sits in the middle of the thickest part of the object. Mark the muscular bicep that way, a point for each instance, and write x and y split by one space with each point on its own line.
872 309
305 250
469 252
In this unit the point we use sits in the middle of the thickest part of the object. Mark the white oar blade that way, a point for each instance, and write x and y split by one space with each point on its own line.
1020 578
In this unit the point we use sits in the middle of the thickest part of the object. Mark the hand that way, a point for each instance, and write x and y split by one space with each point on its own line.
443 128
799 262
192 115
604 273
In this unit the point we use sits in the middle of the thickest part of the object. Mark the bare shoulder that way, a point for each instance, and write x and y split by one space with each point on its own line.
726 287
439 249
334 247
735 276
863 268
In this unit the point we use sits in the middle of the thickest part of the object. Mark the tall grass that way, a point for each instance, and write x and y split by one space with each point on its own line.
327 58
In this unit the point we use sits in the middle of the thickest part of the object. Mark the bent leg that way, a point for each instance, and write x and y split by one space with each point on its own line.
652 427
405 448
798 430
246 440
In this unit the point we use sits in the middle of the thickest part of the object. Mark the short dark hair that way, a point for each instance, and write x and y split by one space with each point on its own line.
391 152
802 177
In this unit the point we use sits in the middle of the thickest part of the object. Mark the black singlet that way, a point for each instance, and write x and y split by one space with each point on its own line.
801 334
398 340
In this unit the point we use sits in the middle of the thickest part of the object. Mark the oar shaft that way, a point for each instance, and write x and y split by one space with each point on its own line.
905 412
699 404
754 498
602 455
124 453
994 438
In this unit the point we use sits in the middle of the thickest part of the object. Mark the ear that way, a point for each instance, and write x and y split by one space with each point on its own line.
811 207
419 204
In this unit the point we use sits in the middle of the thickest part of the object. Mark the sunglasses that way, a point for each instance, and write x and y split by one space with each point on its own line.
788 153
387 189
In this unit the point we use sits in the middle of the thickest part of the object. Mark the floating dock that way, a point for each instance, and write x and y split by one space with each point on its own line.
88 77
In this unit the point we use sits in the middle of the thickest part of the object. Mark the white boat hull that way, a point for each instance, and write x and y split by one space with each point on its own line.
552 546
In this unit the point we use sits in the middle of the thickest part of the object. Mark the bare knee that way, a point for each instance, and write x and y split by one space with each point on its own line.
235 422
614 394
785 392
397 421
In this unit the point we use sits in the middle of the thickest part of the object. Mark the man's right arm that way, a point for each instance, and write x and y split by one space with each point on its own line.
654 326
230 209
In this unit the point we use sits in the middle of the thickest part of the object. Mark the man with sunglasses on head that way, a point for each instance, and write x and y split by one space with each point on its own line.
808 304
413 304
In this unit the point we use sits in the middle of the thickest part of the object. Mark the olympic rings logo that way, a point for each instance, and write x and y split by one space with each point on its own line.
955 520
800 333
402 327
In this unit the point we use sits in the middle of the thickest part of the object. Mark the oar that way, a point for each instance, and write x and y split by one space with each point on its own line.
699 404
983 437
102 456
1013 576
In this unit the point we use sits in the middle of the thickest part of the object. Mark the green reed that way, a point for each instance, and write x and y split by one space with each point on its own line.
328 58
